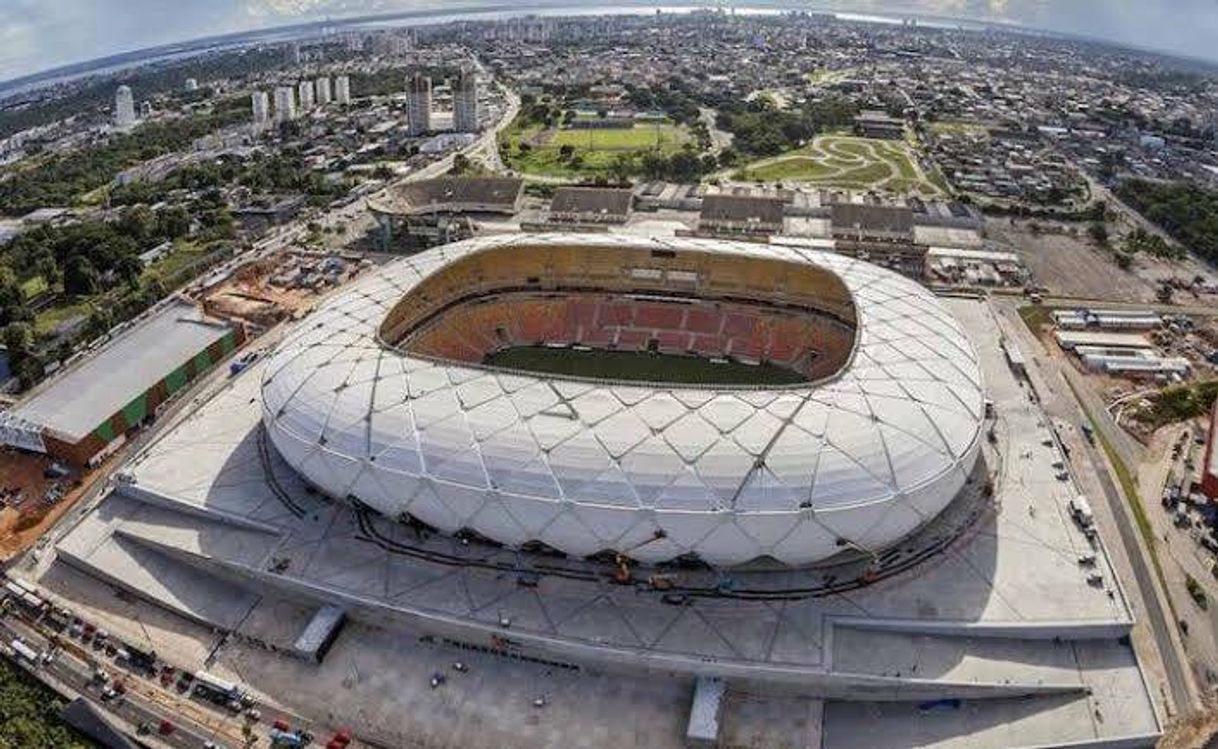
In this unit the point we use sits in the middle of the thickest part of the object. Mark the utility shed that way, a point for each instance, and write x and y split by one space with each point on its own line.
705 713
320 633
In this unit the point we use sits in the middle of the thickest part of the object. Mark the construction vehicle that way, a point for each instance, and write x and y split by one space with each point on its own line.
622 560
661 582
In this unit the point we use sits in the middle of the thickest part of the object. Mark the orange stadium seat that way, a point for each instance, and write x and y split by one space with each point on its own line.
672 341
703 320
632 340
658 316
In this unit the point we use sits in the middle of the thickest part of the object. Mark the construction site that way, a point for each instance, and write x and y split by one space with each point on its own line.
281 286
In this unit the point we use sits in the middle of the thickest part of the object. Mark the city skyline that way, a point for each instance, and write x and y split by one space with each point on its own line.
99 29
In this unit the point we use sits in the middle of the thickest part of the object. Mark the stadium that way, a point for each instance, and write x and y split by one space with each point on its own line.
659 400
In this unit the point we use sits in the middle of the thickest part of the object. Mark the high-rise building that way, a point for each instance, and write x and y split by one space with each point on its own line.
124 107
261 103
285 104
322 88
293 54
145 110
418 104
304 95
342 90
465 102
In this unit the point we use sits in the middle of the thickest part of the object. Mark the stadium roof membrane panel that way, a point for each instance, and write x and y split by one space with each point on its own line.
729 473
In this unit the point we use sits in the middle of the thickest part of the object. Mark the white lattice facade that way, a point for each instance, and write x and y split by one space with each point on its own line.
730 474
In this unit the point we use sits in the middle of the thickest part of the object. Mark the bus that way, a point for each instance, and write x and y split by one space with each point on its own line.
215 689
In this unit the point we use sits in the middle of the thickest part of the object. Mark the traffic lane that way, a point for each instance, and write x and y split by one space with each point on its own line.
133 707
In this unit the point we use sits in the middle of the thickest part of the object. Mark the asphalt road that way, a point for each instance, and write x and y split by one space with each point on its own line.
132 708
1177 680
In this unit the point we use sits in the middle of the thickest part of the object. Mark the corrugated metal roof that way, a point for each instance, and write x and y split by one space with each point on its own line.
72 405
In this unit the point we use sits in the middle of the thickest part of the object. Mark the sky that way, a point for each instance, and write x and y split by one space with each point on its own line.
40 34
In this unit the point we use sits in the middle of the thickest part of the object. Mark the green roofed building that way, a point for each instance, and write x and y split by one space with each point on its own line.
86 412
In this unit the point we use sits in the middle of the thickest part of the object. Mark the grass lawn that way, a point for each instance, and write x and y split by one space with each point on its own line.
51 318
641 367
32 287
846 162
1036 317
94 197
869 174
900 159
801 168
183 255
595 150
637 138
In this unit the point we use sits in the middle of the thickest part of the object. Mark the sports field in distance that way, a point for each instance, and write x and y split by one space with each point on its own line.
639 137
532 149
636 366
847 162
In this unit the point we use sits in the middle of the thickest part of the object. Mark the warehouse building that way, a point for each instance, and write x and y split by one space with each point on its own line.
872 124
1107 319
1072 339
87 412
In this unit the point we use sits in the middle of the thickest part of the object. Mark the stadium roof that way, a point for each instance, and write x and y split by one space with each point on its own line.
453 193
742 208
585 466
592 200
872 218
72 405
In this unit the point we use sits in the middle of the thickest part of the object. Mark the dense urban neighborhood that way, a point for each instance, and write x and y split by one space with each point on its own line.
773 378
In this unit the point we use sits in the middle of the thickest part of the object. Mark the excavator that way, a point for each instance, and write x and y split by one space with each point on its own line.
622 560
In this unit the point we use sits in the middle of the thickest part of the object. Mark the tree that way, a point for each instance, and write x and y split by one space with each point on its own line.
80 276
621 168
12 298
174 222
129 267
137 222
1098 232
18 338
100 321
566 151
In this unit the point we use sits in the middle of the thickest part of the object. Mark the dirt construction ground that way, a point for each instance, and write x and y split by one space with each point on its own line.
1070 266
25 515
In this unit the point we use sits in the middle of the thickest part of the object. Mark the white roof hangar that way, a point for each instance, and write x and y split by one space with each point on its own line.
730 474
